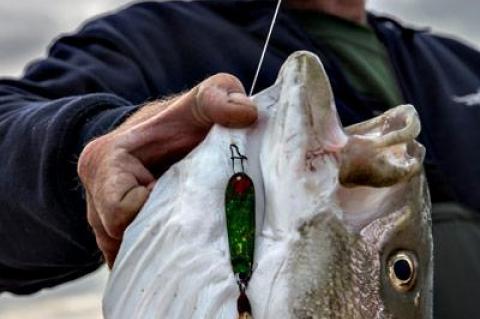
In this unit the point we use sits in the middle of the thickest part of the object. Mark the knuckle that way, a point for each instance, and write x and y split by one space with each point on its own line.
112 207
115 228
92 219
89 159
84 162
210 96
112 220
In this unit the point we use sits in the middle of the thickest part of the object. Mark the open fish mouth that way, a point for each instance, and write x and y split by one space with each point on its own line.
343 217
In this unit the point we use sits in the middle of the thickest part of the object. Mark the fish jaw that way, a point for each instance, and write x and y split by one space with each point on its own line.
299 150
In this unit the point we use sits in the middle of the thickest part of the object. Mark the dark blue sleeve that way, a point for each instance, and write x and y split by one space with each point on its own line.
87 85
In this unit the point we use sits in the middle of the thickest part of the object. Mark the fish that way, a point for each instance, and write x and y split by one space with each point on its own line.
342 217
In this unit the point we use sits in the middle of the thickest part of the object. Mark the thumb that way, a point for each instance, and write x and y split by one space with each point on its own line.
126 211
221 99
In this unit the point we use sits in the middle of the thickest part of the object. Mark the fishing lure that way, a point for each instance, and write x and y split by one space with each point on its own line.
240 216
240 208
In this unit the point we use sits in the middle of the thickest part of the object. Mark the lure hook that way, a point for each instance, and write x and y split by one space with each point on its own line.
236 155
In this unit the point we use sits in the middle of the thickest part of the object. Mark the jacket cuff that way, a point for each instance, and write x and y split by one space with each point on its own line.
108 114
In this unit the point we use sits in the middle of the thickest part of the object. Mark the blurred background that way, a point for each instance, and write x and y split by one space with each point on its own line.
27 27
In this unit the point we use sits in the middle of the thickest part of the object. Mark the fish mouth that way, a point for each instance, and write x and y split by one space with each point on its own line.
366 167
383 152
329 193
377 166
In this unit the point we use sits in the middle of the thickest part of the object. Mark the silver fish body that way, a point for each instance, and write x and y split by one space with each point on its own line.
343 217
360 281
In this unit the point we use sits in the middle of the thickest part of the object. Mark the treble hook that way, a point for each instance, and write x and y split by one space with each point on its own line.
238 156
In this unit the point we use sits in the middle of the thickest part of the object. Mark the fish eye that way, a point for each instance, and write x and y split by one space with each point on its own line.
402 270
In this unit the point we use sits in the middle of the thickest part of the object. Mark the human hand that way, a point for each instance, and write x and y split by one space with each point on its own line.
119 169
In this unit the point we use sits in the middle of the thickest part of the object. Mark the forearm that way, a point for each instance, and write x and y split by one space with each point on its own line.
84 88
44 233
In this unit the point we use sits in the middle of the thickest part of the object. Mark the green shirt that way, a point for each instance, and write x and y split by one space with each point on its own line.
361 55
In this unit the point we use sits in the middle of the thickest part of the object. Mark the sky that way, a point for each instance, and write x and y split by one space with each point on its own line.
27 27
455 18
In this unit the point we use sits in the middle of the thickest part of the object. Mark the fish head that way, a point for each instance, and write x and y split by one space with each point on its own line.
386 206
346 232
342 217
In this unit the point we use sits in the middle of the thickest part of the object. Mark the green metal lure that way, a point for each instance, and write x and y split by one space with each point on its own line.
240 215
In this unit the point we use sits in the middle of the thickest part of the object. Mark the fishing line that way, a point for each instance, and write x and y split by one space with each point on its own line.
267 41
240 210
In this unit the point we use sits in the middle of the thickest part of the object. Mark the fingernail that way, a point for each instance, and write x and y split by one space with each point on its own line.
239 98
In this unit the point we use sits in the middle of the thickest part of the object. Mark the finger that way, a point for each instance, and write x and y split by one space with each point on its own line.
105 154
107 245
121 161
221 99
117 215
